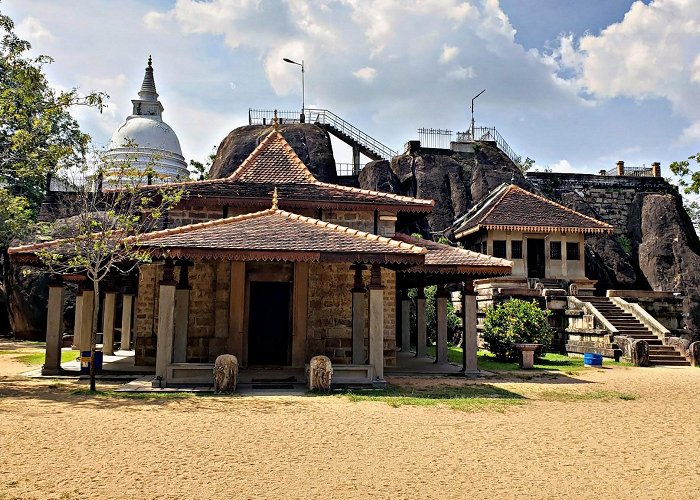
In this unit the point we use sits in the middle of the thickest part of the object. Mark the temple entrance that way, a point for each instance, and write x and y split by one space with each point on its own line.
535 258
269 323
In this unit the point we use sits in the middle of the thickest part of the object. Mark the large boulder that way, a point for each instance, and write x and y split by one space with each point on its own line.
440 178
378 176
491 168
27 295
668 250
310 142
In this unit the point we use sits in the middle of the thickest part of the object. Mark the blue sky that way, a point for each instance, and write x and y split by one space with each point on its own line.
575 85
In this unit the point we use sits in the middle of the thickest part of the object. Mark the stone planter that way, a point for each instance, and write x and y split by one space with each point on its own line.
527 355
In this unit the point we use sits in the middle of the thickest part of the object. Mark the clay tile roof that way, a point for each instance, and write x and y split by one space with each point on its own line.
278 235
274 163
512 208
443 258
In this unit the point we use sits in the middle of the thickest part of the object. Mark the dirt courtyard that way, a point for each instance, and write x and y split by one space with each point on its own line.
607 433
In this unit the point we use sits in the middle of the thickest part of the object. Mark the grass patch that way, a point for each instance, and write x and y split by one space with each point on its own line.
37 358
135 395
551 361
468 398
569 396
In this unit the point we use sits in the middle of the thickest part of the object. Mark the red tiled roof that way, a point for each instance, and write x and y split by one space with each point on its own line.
512 208
274 163
443 258
278 235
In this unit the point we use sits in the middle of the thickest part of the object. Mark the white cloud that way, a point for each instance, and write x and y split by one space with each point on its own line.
30 28
562 166
448 53
366 74
461 73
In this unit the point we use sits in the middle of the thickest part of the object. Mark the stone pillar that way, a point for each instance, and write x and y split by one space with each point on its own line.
108 311
78 322
182 316
376 323
441 316
358 316
127 307
356 160
54 328
421 339
405 322
620 167
86 320
166 323
656 169
470 341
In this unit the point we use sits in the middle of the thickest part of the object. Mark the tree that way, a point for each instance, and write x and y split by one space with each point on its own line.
101 229
689 181
37 136
200 171
516 321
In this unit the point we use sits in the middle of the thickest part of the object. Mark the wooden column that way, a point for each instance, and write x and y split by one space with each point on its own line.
421 340
405 322
182 315
108 311
237 311
359 316
86 320
300 299
376 323
441 320
54 328
127 308
78 322
470 341
166 323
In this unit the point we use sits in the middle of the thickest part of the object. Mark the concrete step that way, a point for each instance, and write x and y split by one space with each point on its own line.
666 357
678 362
662 349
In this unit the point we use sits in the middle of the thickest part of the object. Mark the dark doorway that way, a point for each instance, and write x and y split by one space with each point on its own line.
535 258
269 323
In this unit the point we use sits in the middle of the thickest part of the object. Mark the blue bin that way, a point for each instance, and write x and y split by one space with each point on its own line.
591 359
85 366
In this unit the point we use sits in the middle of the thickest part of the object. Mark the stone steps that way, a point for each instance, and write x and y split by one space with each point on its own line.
630 326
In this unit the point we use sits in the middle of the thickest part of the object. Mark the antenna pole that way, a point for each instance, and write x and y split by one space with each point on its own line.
473 99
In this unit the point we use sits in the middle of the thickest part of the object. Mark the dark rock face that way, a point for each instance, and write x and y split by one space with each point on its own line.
378 176
28 295
668 250
491 169
440 178
310 142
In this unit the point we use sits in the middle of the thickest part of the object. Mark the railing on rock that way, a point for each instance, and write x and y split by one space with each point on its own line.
435 138
489 134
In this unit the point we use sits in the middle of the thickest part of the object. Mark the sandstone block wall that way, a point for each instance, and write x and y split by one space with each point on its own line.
330 313
610 196
364 221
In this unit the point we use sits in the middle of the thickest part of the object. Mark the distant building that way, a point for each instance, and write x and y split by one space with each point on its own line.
144 140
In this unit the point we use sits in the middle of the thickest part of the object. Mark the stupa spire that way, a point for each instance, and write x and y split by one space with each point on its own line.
147 103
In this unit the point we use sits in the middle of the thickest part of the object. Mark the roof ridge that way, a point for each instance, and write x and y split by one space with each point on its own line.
357 233
493 260
252 156
393 196
552 202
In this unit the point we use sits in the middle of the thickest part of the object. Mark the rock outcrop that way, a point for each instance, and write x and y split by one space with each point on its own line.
27 296
668 250
310 142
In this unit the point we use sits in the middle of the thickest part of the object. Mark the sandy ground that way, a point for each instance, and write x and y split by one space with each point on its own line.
54 444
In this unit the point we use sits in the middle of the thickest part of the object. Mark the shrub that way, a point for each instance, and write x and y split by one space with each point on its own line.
516 321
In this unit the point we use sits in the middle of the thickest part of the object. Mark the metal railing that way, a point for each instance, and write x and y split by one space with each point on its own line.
347 169
325 117
489 134
632 171
435 138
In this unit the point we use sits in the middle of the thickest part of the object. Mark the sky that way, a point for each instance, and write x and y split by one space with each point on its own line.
574 85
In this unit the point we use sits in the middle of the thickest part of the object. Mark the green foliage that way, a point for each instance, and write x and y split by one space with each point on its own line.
625 242
516 321
15 217
525 164
453 321
200 171
688 179
37 134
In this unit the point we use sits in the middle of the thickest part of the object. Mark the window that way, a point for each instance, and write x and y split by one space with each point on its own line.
483 247
555 250
499 248
572 252
516 249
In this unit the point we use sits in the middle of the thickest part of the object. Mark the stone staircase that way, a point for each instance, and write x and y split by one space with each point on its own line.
627 324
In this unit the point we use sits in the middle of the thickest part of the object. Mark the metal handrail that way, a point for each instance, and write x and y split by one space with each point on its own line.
326 117
632 171
347 169
489 134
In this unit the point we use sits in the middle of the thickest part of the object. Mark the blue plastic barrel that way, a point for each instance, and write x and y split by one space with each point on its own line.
591 359
85 366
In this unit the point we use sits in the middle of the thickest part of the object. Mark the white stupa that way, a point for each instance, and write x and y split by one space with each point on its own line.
144 140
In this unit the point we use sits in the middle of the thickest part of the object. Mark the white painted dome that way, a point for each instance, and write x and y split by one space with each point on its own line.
145 132
145 142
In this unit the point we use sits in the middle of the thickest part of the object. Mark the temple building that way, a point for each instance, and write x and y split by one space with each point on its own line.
144 142
274 266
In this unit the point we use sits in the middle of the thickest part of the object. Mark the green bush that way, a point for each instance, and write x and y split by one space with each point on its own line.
513 322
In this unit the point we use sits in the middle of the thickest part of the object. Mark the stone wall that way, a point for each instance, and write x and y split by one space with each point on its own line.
330 313
146 315
610 196
364 221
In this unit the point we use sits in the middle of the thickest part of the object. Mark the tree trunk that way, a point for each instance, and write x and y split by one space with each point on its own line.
93 333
